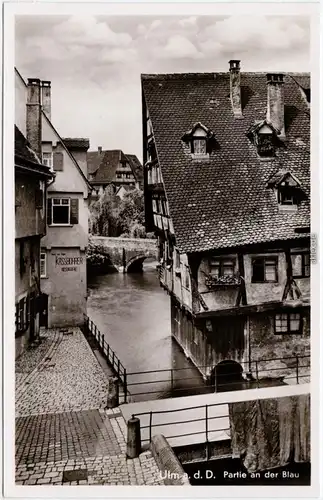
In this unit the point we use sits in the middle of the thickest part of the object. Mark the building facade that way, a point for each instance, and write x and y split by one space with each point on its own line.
115 169
62 257
31 180
227 192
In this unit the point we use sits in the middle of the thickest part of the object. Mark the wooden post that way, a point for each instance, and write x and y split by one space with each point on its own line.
297 379
172 379
206 433
118 368
113 392
133 437
150 425
113 359
257 377
108 352
125 390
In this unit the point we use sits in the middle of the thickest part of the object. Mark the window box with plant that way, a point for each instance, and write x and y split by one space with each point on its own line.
222 273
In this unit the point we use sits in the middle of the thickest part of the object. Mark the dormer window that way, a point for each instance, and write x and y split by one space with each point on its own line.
200 140
288 190
264 136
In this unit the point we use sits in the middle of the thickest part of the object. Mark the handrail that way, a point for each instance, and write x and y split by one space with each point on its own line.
109 354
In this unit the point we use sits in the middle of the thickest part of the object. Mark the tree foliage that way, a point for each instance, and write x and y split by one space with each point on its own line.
113 216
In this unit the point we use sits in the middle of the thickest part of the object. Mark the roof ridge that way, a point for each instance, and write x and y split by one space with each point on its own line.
213 75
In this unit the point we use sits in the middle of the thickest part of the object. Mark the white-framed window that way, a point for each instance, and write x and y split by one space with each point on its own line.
43 264
61 211
301 264
222 267
48 159
199 146
264 270
288 323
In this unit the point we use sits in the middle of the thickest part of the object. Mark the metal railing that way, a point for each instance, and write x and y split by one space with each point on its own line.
174 381
109 355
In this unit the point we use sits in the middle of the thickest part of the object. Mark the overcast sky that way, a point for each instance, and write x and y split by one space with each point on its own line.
94 63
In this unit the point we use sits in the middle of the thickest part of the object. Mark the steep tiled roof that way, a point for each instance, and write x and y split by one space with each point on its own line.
76 143
136 167
224 201
103 165
23 149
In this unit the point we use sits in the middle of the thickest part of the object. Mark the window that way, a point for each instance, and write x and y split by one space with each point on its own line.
199 146
265 145
177 261
48 159
301 264
187 277
119 175
61 211
288 323
264 270
222 267
43 264
286 196
22 316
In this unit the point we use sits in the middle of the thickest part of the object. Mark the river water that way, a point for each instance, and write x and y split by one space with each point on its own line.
133 313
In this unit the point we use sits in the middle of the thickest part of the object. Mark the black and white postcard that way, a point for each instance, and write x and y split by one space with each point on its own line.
161 270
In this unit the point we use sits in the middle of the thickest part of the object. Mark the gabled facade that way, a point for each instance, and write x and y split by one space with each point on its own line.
227 192
31 181
113 168
62 256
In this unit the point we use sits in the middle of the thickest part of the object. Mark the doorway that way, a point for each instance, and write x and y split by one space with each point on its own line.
43 310
227 376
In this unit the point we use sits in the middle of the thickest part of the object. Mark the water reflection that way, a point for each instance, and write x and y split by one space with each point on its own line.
133 312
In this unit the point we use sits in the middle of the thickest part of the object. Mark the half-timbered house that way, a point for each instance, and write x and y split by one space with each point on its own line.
227 192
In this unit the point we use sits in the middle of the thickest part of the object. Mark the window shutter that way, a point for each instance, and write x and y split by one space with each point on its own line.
74 211
58 161
39 198
49 211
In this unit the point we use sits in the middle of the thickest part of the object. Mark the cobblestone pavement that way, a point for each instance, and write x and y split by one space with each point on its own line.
68 379
64 436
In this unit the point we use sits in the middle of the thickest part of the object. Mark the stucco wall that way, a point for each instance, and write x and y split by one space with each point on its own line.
73 235
66 286
80 157
263 292
20 104
265 344
70 178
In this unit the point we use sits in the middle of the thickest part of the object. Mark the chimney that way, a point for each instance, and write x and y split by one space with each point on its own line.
235 88
275 101
33 125
46 98
100 150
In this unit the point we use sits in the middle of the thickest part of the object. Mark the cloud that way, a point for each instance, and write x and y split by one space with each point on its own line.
89 31
177 47
188 21
256 32
117 55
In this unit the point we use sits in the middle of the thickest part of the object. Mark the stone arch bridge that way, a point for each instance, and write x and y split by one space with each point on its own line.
127 254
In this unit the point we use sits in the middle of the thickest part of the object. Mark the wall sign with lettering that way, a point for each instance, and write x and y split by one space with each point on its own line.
69 263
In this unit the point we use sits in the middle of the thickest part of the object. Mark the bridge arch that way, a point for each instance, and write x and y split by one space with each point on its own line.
227 375
135 263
